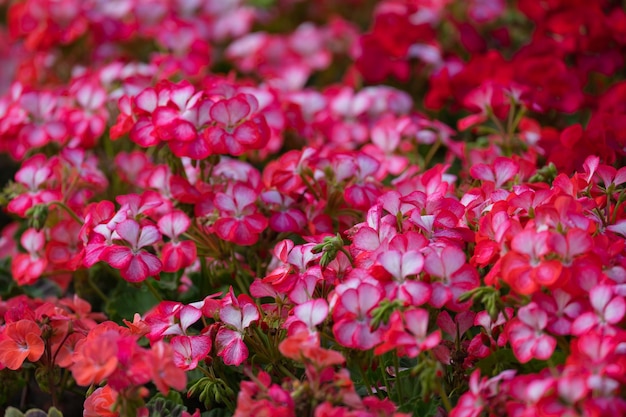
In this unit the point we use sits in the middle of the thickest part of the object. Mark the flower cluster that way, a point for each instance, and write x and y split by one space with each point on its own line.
328 209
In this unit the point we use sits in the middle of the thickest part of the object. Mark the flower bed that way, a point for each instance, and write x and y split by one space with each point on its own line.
313 208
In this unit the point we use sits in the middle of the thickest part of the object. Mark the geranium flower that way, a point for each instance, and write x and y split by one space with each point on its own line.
239 221
408 332
135 263
352 317
21 340
527 336
237 313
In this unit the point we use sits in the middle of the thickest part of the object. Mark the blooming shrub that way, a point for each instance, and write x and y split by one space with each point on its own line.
313 208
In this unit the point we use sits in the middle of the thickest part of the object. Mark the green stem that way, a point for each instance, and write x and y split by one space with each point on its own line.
97 290
431 153
69 211
440 388
618 202
287 372
366 381
396 365
443 395
153 290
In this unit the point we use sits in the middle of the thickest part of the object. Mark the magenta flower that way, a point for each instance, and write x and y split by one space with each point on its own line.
236 314
239 220
352 317
408 332
527 336
135 263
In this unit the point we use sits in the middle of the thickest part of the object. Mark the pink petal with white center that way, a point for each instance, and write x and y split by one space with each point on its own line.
189 350
312 312
136 271
149 236
590 165
416 321
147 100
440 294
544 348
619 227
482 172
232 316
255 223
117 256
181 94
129 231
579 242
188 316
368 297
533 316
230 111
584 323
244 196
414 293
505 169
231 347
32 240
152 262
366 239
620 176
225 202
367 165
614 311
250 314
174 224
523 350
248 134
412 263
434 264
392 262
454 259
600 296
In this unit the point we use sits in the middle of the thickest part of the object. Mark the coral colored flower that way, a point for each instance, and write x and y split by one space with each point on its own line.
95 358
525 268
100 403
165 373
21 340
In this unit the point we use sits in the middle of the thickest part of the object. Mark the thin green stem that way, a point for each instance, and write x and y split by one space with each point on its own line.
396 365
97 290
366 381
153 290
440 388
431 153
68 210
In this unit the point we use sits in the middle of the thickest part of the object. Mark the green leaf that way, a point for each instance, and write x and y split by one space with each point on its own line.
127 300
217 412
13 412
35 412
54 412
